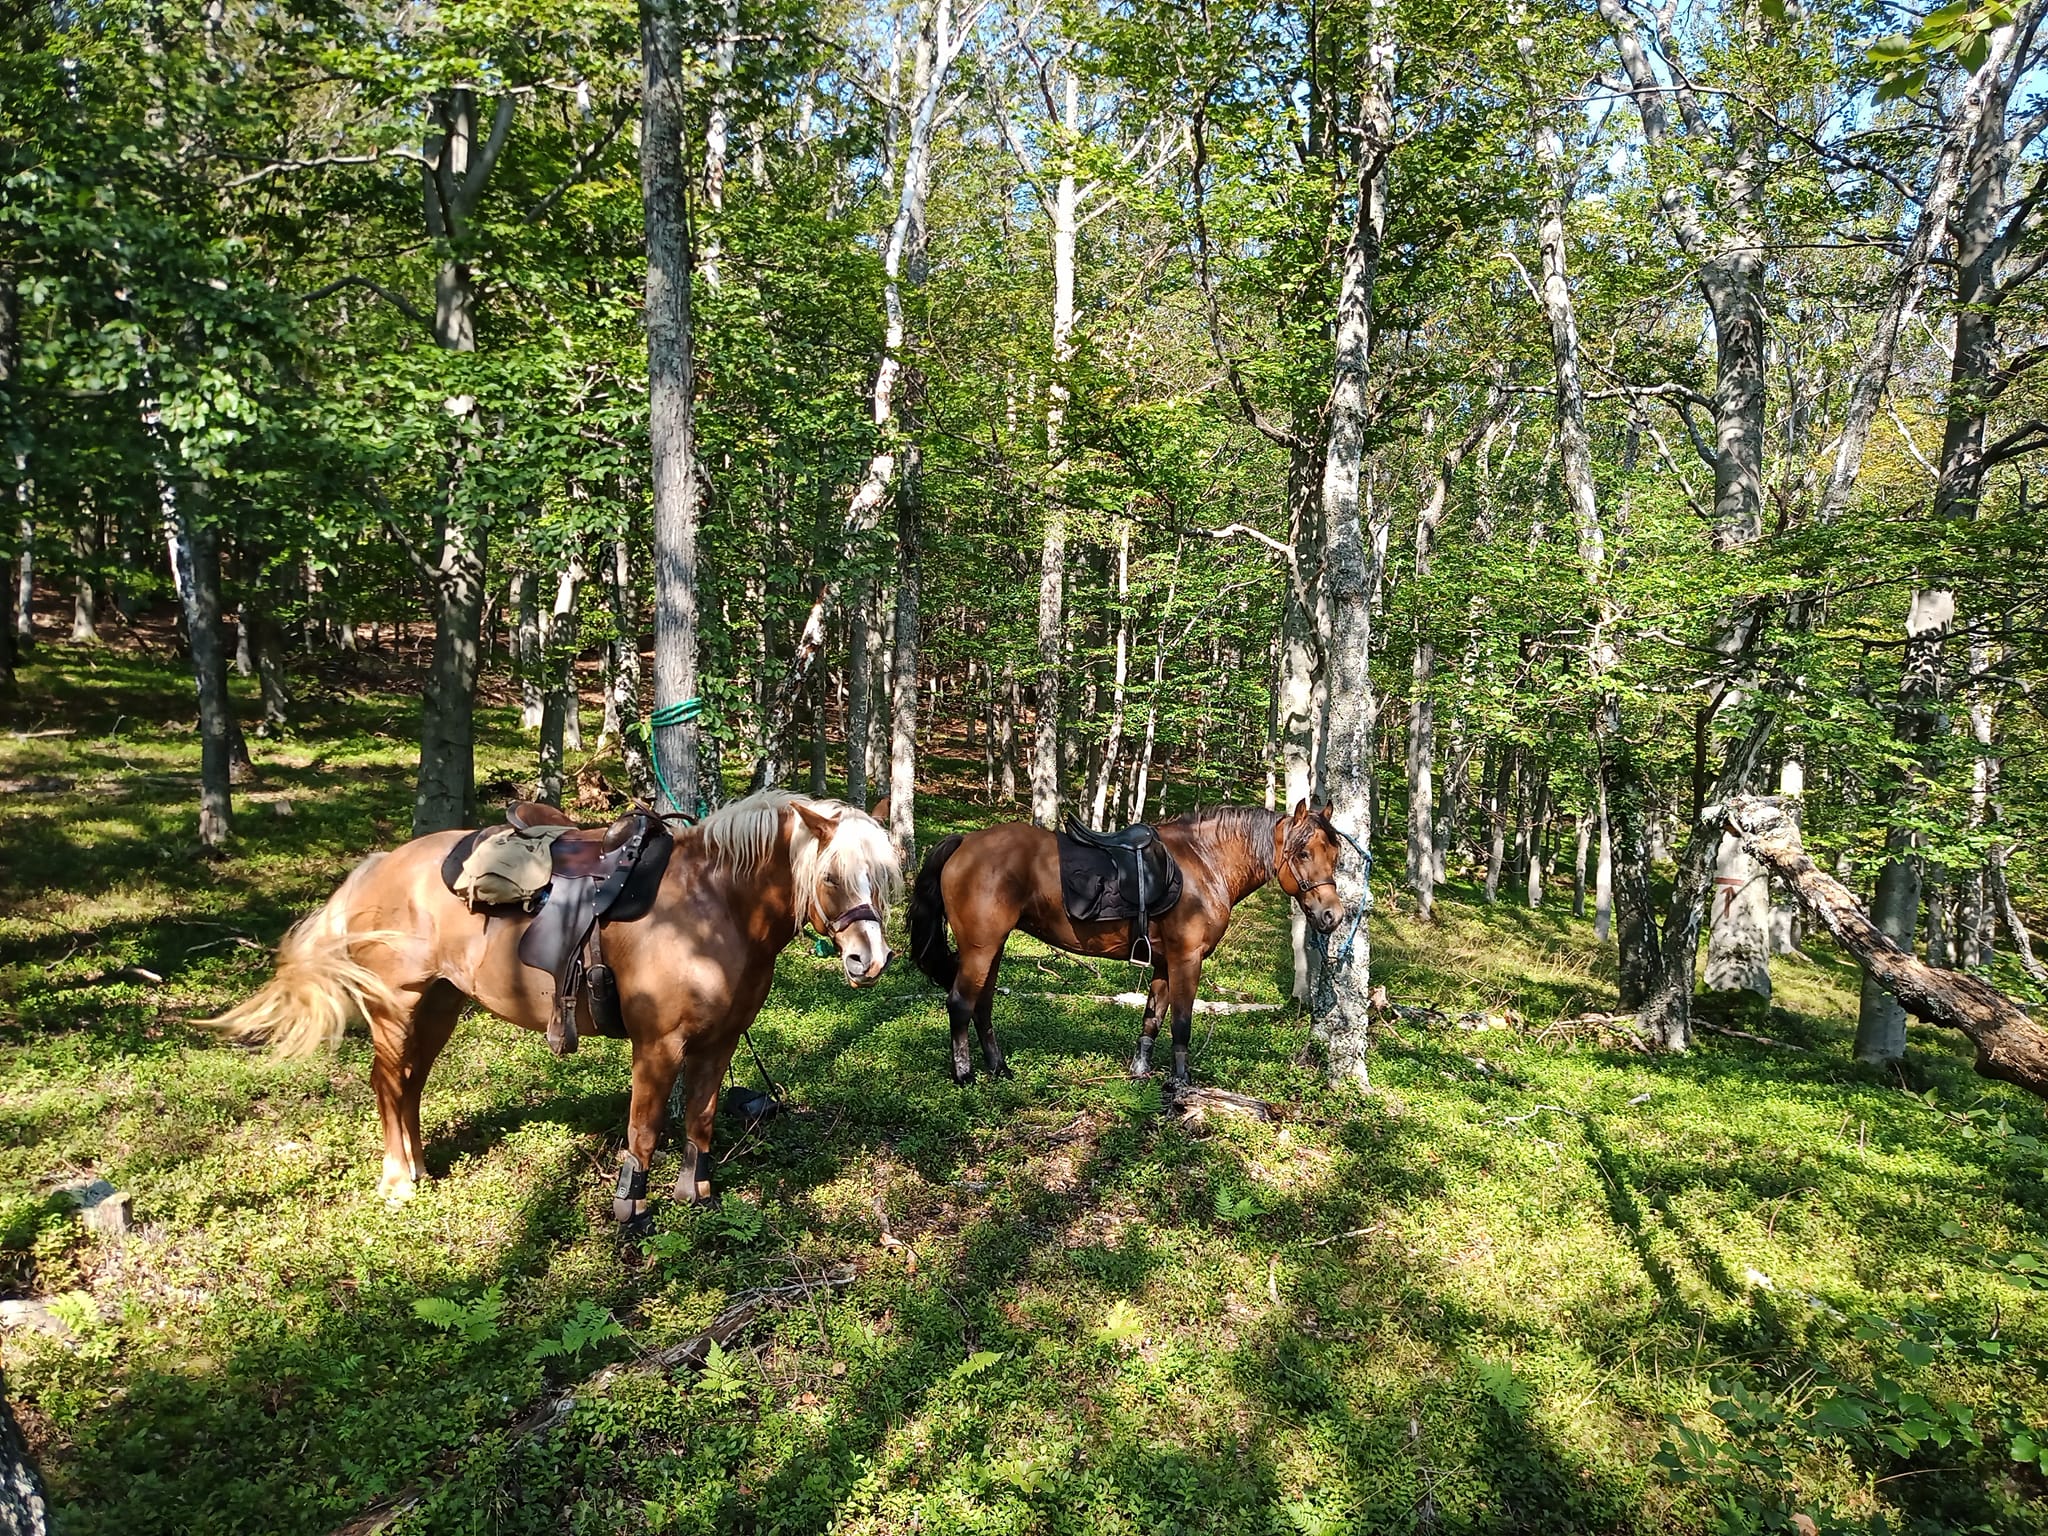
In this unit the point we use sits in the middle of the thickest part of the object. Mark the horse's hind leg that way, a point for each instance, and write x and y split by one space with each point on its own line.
433 1021
1155 1010
985 1023
391 1038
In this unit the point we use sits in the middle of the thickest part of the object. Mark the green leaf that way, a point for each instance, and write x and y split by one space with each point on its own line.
975 1364
1122 1324
1916 1353
1841 1413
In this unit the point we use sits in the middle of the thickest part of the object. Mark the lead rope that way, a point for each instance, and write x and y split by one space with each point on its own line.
669 714
1364 898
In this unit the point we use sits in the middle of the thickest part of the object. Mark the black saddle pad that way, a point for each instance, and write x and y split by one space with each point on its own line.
1098 886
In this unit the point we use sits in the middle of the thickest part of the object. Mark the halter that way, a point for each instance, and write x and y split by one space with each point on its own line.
1364 900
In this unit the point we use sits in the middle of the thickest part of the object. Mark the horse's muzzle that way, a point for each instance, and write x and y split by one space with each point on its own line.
872 974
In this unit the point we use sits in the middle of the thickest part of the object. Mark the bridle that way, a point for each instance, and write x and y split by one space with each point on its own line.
1292 855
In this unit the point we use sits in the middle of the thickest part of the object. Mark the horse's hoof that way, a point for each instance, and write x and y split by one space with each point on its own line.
396 1191
1140 1067
639 1224
964 1079
1001 1069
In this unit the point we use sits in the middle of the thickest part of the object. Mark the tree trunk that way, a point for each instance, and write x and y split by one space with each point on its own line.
1739 945
565 639
1006 720
1603 874
85 628
1052 563
670 385
625 668
1113 741
266 640
1785 912
24 1508
935 50
1298 701
2000 895
195 545
1341 1005
25 587
859 697
1665 1016
2010 1046
817 753
446 794
1497 807
903 666
1582 827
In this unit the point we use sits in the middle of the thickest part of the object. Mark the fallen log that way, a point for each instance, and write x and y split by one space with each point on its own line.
2011 1047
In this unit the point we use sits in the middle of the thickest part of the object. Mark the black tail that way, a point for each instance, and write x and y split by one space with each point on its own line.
928 944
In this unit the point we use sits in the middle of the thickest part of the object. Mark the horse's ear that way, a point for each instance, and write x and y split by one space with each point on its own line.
821 826
880 810
1301 810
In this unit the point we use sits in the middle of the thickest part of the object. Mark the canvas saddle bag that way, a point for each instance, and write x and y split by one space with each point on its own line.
508 867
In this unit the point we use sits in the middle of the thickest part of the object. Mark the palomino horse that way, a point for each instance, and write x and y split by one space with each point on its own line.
988 883
394 945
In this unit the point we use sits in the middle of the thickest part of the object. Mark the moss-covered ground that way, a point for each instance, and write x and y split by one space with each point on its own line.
1472 1300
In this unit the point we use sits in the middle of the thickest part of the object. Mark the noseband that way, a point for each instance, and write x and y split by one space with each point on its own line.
1303 888
860 914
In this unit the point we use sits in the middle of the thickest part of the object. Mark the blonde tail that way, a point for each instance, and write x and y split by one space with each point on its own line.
319 985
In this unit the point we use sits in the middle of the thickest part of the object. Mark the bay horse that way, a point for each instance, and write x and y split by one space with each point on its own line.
395 946
986 884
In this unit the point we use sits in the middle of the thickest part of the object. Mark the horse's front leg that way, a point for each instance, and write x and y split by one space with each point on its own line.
655 1062
1155 1010
703 1070
1182 978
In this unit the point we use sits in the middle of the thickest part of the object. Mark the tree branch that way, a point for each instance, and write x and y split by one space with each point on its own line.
397 301
2011 1047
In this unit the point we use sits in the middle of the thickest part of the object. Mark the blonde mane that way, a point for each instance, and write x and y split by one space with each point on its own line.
742 835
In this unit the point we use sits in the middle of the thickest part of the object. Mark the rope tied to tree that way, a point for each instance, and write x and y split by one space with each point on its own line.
1364 898
680 713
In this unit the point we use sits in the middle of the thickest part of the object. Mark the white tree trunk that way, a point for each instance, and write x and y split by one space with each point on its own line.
526 647
1340 1002
936 49
1113 744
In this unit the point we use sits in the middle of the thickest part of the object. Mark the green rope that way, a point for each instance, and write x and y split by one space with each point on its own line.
669 714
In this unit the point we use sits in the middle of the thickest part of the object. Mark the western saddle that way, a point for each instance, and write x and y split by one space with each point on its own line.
599 875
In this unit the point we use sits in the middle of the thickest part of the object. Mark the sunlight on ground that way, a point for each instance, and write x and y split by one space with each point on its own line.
1468 1302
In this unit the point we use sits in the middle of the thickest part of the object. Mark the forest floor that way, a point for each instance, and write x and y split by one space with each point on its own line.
1474 1300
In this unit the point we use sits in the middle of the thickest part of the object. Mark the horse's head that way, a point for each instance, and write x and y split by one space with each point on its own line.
847 879
1305 850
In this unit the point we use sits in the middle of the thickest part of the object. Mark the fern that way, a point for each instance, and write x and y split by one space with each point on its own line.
476 1323
589 1324
721 1380
1233 1207
1499 1381
975 1364
736 1221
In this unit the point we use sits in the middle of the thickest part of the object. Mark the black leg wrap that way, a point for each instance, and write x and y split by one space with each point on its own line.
632 1183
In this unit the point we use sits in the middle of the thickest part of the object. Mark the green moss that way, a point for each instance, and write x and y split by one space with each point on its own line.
1468 1302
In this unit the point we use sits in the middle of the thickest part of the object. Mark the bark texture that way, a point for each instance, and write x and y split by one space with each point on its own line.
670 368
